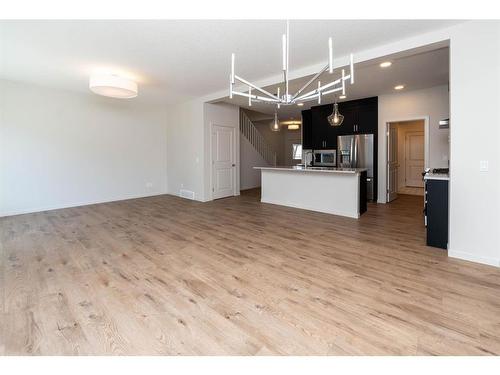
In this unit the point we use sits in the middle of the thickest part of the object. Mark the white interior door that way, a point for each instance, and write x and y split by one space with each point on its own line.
223 161
414 158
392 162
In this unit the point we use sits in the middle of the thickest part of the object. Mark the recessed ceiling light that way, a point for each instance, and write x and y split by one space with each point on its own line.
342 97
300 104
113 86
399 87
385 64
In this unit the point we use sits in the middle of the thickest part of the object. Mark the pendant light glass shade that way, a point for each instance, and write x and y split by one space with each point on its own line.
275 125
335 119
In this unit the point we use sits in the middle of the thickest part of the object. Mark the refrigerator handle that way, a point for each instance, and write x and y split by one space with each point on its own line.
355 155
351 151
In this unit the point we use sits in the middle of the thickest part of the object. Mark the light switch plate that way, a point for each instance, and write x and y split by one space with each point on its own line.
483 165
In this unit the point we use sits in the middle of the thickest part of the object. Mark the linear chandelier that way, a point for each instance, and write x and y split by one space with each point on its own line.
286 98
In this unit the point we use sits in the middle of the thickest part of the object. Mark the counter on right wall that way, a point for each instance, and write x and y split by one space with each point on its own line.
433 103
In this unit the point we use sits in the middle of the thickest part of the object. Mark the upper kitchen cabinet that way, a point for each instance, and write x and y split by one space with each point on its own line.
367 116
349 111
324 135
360 116
307 130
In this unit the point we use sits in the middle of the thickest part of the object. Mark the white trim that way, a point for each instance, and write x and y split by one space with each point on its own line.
387 123
236 150
78 204
474 258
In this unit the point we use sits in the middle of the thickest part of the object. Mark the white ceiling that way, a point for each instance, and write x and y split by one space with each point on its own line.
176 59
414 69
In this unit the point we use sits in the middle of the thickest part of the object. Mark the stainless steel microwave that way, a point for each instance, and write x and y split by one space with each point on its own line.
325 158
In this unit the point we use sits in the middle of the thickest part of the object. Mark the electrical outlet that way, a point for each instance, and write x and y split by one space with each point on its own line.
483 166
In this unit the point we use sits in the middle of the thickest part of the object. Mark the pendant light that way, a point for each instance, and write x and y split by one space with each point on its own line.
275 125
335 119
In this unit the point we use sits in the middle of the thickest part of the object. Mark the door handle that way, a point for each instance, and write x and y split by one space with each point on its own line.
233 165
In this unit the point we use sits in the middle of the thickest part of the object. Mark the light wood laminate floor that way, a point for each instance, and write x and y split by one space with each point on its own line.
164 275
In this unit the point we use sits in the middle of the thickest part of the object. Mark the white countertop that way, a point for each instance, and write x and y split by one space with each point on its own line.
315 169
437 176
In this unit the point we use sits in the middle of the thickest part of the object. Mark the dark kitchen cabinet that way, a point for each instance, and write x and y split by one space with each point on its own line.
307 130
360 116
349 111
436 211
324 135
367 116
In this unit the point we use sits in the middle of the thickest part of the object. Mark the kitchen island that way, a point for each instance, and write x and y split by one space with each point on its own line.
338 191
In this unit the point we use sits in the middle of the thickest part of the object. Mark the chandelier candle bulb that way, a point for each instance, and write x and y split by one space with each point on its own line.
232 68
283 42
343 82
319 92
352 69
330 55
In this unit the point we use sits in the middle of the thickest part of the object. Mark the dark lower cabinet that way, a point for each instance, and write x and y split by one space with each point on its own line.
436 211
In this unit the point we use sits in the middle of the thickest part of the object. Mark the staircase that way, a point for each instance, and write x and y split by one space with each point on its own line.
250 132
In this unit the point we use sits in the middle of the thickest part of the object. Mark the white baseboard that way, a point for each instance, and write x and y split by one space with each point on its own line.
474 258
76 204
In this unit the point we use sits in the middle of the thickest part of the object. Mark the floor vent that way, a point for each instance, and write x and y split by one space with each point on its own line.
187 194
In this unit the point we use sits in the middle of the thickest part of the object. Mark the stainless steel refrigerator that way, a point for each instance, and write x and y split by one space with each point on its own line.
356 151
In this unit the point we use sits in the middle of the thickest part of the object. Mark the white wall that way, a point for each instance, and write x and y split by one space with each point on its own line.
60 149
249 177
475 136
185 148
432 102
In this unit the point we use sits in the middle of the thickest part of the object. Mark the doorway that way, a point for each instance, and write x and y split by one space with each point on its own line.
407 152
223 161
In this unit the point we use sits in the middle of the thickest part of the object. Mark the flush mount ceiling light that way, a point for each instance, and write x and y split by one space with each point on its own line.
285 98
300 104
342 96
399 87
291 124
113 86
385 64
